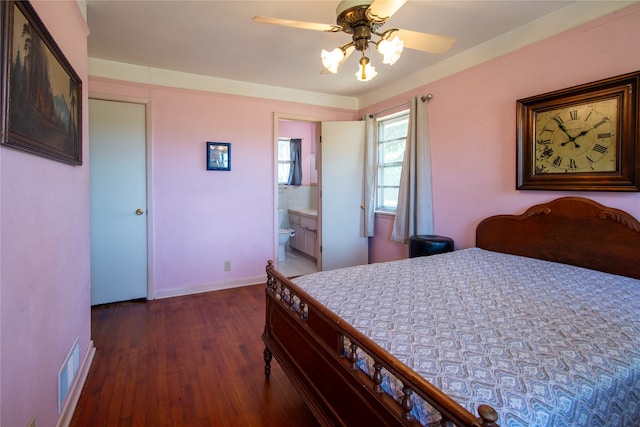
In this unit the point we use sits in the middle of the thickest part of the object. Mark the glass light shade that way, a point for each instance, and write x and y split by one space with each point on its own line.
331 60
366 72
390 50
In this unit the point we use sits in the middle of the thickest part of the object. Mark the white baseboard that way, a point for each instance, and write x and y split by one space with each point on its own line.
211 287
76 388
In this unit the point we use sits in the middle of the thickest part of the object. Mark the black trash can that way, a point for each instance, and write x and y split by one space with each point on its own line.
429 244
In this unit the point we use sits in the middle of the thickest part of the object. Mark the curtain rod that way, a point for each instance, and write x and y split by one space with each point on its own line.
397 107
424 98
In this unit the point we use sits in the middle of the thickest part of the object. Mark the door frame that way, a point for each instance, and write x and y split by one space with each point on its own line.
149 178
277 117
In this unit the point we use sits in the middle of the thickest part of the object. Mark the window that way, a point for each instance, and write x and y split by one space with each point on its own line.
284 160
392 138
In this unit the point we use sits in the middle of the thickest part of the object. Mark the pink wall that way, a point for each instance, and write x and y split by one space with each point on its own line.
202 218
44 220
473 122
381 248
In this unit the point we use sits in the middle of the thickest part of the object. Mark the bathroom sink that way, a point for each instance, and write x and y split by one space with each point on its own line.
310 212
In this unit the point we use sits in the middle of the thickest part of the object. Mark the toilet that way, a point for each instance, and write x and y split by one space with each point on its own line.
283 236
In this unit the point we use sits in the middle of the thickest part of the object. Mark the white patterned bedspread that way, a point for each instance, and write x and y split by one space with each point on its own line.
545 344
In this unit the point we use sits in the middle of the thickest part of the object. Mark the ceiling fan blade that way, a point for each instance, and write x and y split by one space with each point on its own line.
381 10
347 54
426 42
296 24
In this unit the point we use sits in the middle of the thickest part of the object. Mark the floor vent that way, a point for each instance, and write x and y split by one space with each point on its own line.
67 373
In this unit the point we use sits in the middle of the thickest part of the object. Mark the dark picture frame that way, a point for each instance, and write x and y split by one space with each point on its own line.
583 138
218 156
41 92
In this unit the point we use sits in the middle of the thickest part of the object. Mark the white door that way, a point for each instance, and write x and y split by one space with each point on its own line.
117 165
341 195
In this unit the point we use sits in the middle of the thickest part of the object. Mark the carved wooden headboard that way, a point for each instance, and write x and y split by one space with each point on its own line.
570 230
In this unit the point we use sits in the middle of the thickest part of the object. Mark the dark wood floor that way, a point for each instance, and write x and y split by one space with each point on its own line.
186 361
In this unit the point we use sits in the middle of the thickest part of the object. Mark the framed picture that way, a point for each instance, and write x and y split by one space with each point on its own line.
41 93
581 138
218 156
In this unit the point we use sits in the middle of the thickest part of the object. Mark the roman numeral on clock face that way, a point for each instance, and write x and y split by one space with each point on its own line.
600 148
547 152
601 122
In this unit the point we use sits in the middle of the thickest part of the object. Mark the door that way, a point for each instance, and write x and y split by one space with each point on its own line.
117 165
341 195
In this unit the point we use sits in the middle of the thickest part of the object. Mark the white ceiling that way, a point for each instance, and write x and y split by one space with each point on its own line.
218 38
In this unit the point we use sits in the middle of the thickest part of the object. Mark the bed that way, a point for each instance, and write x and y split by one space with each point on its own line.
537 325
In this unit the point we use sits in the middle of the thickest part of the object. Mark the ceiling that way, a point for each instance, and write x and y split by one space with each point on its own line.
218 38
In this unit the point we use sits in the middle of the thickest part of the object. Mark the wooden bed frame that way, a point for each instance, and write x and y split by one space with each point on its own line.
307 339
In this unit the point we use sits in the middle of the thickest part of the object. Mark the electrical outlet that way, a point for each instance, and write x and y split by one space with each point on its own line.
32 422
227 266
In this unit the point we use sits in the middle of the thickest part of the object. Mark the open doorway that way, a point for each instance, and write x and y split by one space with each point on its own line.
332 231
297 199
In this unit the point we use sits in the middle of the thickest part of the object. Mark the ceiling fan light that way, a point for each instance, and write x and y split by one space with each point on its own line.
366 72
331 60
390 50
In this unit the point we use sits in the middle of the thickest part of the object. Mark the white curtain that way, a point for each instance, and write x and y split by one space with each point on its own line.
414 213
370 163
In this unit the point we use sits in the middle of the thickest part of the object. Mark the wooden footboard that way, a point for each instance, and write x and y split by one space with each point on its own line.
307 340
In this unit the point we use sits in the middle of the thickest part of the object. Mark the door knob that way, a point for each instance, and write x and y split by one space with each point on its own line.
139 211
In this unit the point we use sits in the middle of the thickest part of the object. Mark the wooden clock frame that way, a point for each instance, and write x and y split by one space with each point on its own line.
625 177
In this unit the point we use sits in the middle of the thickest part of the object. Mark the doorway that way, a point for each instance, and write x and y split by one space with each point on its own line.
118 195
338 197
301 254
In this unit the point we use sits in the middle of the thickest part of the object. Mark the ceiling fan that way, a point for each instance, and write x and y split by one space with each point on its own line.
361 19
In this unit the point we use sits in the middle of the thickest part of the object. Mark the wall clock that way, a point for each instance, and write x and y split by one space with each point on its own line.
582 138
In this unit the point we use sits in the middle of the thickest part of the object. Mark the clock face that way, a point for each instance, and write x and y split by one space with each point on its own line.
579 138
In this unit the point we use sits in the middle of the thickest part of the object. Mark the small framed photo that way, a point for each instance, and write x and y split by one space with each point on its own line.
218 156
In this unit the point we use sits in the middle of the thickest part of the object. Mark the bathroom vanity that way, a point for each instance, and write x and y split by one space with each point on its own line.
305 224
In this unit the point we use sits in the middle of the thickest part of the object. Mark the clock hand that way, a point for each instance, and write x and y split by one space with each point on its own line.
571 138
563 129
584 132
